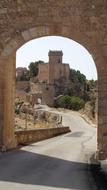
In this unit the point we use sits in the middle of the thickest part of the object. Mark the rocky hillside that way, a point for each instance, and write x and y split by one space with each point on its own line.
91 107
75 86
81 90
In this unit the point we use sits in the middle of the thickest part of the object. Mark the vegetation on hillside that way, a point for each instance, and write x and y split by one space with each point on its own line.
74 103
77 93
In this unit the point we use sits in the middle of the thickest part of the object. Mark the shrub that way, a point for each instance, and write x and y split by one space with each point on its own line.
64 102
74 103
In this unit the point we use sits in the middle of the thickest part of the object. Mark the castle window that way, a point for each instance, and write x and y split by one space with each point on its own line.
59 61
47 88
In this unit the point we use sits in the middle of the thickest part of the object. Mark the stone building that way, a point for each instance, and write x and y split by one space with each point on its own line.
43 91
48 74
53 70
20 71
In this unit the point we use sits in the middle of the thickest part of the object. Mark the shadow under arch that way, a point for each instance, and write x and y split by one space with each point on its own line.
22 167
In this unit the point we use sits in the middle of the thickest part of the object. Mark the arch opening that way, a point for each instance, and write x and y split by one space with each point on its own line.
42 47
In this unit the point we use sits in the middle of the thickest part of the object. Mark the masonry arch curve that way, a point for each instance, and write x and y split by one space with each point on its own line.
77 20
10 52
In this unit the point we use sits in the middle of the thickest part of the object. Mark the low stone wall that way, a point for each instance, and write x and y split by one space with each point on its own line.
30 136
23 85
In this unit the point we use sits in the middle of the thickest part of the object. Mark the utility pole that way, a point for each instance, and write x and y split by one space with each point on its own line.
26 115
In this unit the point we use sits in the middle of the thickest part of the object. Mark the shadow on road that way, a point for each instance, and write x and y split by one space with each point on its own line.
75 134
30 168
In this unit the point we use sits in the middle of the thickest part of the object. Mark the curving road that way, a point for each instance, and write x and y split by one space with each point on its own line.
60 163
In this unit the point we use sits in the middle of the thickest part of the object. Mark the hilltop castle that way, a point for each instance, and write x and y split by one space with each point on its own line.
53 70
44 85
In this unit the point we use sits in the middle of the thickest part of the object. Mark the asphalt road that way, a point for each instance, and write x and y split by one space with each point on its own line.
60 163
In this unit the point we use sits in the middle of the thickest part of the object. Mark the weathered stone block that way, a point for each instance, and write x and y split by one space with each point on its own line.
26 35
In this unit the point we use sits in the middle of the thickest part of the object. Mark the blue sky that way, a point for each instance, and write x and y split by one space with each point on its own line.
73 53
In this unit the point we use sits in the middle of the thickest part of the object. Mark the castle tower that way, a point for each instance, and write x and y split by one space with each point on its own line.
55 63
55 57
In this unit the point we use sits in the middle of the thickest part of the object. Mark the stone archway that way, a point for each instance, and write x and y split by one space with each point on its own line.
21 21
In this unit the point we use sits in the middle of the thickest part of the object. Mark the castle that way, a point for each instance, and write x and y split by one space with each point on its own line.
48 75
55 69
43 86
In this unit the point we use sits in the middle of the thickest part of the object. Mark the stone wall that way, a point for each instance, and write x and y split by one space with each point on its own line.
79 20
35 87
48 94
57 70
53 71
31 136
46 91
43 75
65 71
23 85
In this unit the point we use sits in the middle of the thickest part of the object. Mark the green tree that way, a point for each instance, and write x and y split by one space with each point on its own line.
81 77
77 75
33 68
64 101
92 84
74 103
